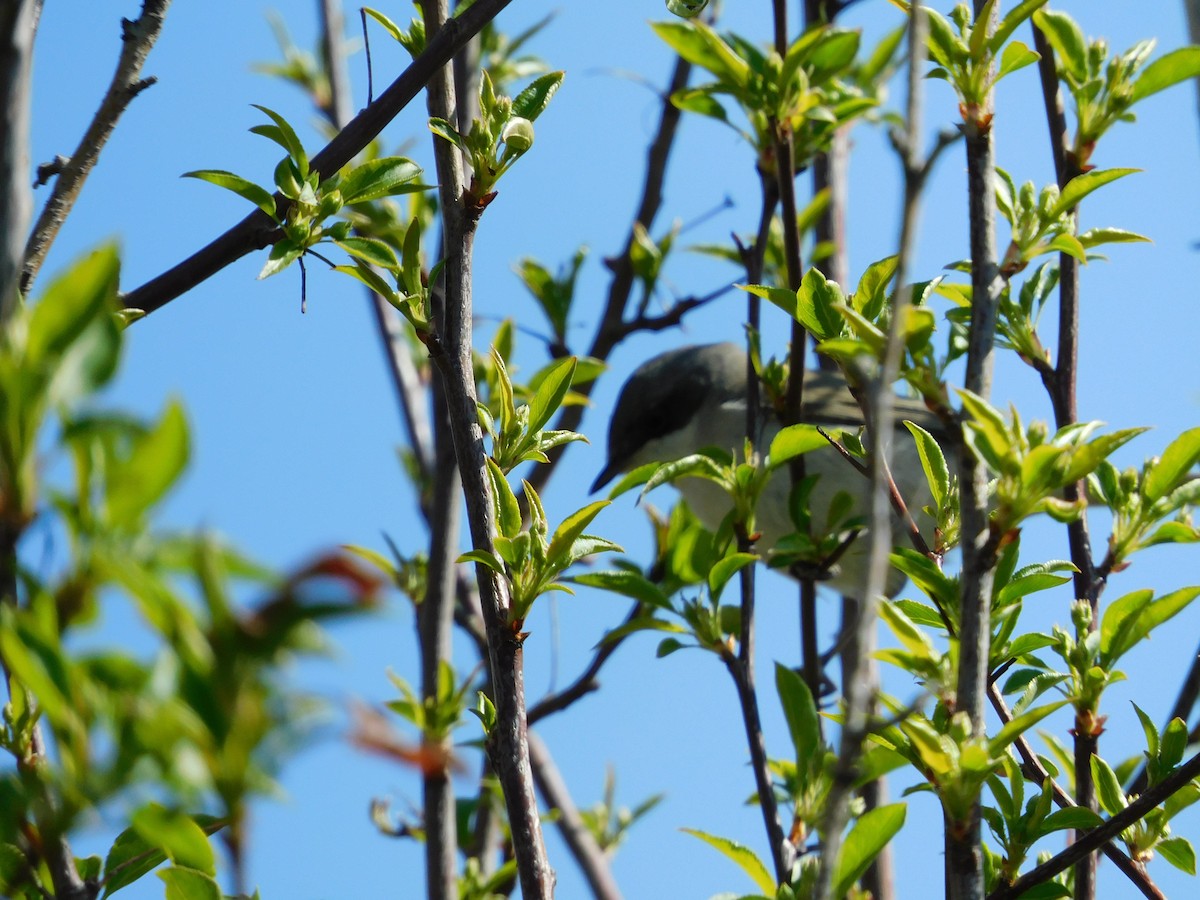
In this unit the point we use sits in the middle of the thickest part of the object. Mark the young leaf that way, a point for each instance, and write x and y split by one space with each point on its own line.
800 712
548 397
1174 464
378 178
1070 46
866 840
248 190
1170 68
284 136
743 856
933 461
1082 185
372 251
532 102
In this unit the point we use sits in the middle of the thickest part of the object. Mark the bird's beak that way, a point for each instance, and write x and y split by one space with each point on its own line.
609 472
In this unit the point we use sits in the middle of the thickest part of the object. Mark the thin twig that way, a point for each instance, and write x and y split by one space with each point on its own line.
743 680
138 38
257 230
586 682
507 743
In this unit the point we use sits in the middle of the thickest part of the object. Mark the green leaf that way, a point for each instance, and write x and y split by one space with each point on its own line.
800 712
1166 473
391 27
634 585
933 462
1070 46
548 397
817 305
1016 56
189 884
1095 237
725 569
743 856
1076 818
781 297
371 279
284 136
793 441
282 255
1018 726
700 101
248 190
532 102
1082 185
378 178
178 835
73 302
1108 788
508 511
1178 851
129 858
1117 620
155 463
701 46
866 840
1011 21
370 250
482 557
1170 68
571 529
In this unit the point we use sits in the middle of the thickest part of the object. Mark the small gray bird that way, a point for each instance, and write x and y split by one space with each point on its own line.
686 400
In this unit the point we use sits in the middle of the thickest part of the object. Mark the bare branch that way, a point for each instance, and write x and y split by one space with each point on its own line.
138 38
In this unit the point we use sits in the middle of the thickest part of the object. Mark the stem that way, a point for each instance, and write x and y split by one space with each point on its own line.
507 742
257 230
964 858
138 38
1060 384
743 680
18 25
859 686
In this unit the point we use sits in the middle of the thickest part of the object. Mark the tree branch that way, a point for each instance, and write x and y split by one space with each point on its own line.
18 25
964 858
257 230
1090 841
1034 771
138 38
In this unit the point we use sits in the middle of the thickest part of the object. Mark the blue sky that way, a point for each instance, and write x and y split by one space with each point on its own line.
295 428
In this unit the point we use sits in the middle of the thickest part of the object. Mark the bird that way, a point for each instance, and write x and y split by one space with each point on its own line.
693 398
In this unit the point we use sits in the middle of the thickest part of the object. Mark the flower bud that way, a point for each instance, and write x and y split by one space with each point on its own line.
517 134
